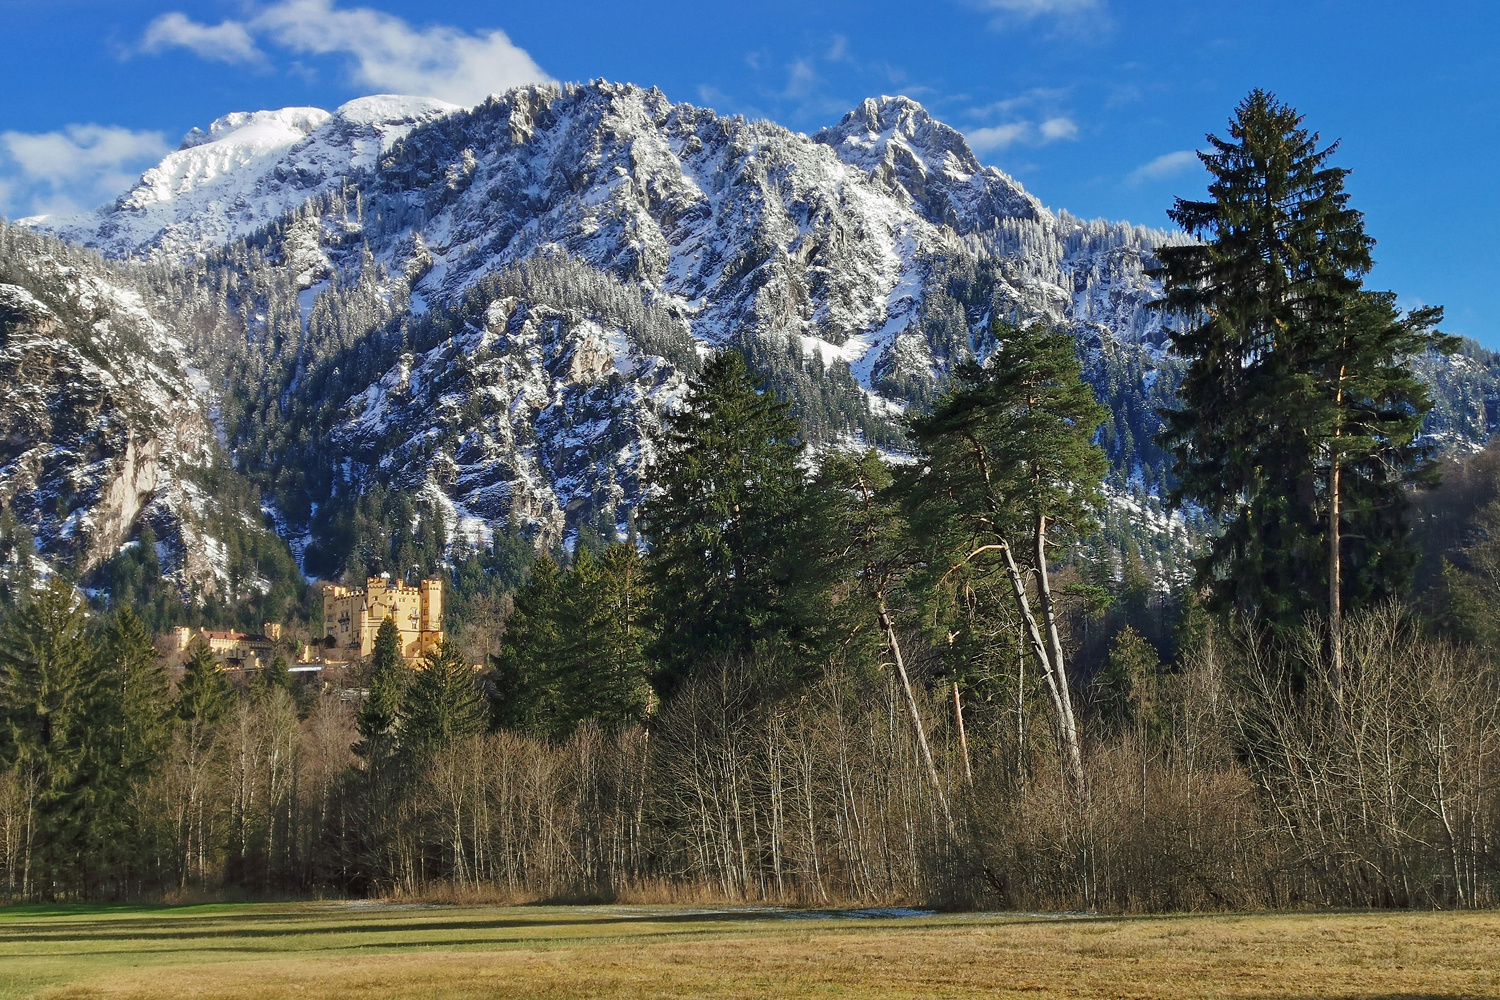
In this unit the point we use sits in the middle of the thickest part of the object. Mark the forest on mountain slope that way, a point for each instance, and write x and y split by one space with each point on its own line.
816 674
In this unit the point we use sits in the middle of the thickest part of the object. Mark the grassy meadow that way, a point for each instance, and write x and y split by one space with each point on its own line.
327 950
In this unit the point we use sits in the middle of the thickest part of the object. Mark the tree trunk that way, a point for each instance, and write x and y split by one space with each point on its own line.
889 628
1054 646
1335 565
1056 686
963 736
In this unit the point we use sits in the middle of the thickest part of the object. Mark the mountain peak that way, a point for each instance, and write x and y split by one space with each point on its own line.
270 129
246 168
393 109
897 143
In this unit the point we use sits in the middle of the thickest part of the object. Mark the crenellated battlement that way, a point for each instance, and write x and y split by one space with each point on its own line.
352 617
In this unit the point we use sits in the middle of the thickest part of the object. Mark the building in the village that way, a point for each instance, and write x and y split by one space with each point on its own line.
235 650
351 618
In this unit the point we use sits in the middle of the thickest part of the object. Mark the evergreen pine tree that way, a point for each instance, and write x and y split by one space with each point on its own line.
276 674
1008 463
381 709
47 688
131 714
1297 410
603 651
574 646
203 696
735 531
441 705
520 679
139 684
1125 690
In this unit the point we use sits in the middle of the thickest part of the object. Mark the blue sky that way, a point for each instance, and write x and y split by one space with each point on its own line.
1095 105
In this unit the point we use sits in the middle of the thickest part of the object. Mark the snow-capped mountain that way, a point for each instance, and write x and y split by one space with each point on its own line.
245 169
492 307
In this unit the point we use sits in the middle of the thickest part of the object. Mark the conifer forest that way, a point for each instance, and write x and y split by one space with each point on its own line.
1074 625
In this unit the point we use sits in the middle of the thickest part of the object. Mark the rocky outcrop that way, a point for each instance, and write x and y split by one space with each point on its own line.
102 428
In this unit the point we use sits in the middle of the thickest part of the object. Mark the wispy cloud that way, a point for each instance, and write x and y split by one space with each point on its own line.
74 168
385 53
997 136
1054 129
1068 16
1164 166
1037 97
229 41
1034 118
811 85
1027 133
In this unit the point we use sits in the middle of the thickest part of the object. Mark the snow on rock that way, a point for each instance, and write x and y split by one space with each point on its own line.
538 414
104 427
841 251
747 232
246 169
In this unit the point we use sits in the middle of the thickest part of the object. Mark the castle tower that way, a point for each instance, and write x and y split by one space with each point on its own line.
432 605
432 614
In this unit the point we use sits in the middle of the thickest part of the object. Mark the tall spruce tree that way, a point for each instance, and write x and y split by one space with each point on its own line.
203 696
604 640
1299 411
131 713
574 646
521 678
47 688
380 711
442 704
735 531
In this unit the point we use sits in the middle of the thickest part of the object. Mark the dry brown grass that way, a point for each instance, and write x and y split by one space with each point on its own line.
333 951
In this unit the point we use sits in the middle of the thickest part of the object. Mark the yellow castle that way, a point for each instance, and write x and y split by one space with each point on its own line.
351 618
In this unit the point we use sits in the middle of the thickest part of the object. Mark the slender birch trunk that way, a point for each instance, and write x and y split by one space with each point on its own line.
963 736
889 628
1335 566
1056 686
1055 652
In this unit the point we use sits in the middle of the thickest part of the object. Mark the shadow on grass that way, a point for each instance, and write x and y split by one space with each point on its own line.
232 926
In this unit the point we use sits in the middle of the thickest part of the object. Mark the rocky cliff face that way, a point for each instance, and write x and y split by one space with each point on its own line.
531 416
738 225
105 425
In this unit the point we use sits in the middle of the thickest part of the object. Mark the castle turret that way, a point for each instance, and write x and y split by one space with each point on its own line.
432 606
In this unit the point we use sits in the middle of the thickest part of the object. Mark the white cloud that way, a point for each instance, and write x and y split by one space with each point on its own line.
997 136
1034 118
801 80
1072 16
1031 9
386 53
712 97
1037 97
1164 166
1027 133
228 42
73 169
1058 128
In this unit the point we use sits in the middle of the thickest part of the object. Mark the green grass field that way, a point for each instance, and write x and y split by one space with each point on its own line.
327 950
